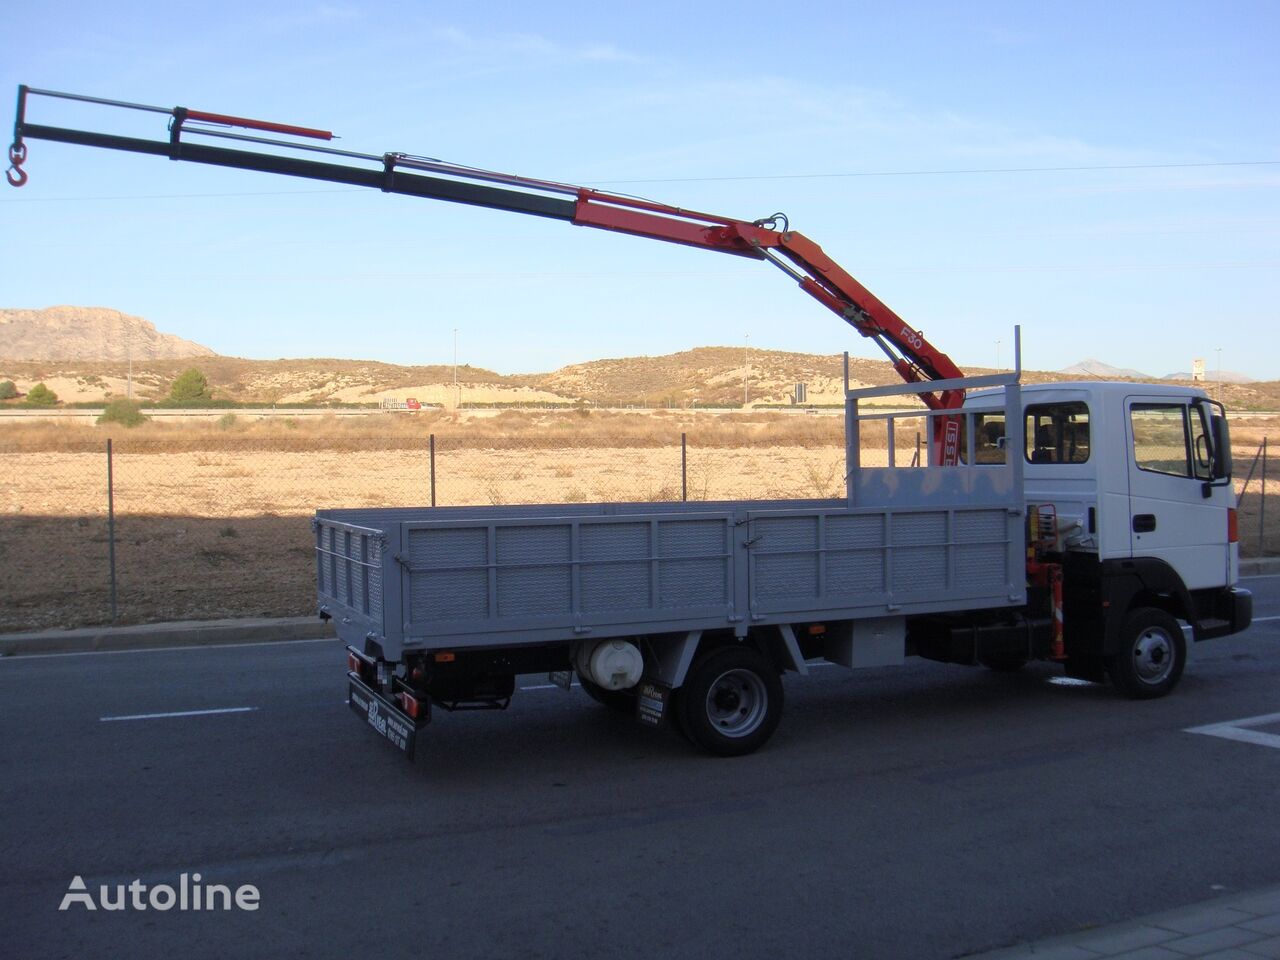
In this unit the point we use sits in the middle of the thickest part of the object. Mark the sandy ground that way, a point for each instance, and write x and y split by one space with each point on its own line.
227 532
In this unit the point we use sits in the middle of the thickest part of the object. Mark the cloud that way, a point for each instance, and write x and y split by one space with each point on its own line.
532 46
319 14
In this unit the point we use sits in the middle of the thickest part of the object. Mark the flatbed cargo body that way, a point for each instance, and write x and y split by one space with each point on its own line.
480 577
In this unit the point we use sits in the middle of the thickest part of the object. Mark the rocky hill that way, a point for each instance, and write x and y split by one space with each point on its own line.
704 376
87 333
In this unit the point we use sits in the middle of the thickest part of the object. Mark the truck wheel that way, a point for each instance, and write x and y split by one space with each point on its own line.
619 701
1151 657
731 702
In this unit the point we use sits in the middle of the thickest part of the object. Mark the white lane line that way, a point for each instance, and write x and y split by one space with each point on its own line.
180 713
18 657
1240 730
1264 619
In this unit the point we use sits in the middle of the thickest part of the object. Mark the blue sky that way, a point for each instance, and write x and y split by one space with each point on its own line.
828 112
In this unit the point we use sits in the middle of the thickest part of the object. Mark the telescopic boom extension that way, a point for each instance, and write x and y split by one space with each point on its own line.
769 238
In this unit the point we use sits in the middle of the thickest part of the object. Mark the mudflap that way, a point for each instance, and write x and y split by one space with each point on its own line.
653 703
384 715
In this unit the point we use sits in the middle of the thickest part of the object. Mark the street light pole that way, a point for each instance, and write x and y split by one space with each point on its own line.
998 367
746 345
457 397
1219 396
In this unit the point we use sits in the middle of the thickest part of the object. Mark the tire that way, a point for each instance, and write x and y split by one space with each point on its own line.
1004 663
619 701
731 702
1152 655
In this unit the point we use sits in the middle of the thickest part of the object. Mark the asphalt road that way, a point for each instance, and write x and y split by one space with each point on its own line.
922 811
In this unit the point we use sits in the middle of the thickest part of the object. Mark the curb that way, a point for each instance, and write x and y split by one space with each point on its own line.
1144 936
1259 566
150 636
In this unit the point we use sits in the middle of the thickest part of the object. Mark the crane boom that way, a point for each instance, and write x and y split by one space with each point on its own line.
769 239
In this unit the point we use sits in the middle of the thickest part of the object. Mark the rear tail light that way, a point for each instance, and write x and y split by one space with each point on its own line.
353 663
412 705
1233 526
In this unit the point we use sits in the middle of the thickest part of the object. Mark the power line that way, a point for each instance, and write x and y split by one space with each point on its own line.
959 171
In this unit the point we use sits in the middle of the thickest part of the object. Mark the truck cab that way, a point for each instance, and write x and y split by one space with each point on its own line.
1131 489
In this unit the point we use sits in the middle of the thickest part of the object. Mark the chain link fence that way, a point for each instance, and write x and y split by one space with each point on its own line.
144 530
214 526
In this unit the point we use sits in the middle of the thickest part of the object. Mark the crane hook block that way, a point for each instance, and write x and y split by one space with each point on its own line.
17 156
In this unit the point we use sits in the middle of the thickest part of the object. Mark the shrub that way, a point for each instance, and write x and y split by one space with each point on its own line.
123 411
41 396
7 390
190 389
227 421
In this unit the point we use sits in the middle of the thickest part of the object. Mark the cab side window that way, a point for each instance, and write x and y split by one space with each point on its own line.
1161 438
1058 432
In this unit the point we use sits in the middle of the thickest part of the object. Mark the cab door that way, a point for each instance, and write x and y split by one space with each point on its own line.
1170 518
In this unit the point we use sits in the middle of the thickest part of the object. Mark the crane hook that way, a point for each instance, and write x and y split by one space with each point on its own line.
17 157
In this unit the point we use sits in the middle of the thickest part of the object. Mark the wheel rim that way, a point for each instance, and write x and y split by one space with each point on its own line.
736 703
1153 656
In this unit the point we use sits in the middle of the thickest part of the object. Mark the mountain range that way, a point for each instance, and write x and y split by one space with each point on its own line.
88 354
87 333
1097 370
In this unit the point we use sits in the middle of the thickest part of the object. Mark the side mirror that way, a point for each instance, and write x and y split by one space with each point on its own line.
1221 446
1218 457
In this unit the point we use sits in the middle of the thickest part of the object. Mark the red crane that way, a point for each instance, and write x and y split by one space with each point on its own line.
769 238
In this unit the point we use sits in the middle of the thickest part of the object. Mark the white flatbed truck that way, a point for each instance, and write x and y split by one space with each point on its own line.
1081 523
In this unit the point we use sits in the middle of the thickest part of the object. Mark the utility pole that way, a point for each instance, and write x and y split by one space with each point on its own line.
457 397
746 345
1219 396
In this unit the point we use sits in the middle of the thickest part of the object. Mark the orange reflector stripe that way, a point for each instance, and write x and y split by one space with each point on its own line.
1233 526
445 657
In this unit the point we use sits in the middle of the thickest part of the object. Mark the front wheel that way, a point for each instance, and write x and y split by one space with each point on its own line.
1151 656
731 702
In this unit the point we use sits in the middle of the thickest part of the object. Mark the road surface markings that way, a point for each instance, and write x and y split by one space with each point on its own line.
19 657
1264 619
180 713
1241 730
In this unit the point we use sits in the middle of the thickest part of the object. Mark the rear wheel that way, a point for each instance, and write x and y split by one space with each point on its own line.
731 702
1004 663
620 701
1151 657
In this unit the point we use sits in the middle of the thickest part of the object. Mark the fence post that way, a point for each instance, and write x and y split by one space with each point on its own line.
684 467
1262 507
111 528
433 469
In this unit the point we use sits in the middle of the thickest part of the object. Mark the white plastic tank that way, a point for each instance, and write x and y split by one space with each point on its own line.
611 664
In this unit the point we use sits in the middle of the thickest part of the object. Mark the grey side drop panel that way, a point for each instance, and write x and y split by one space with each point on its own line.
481 580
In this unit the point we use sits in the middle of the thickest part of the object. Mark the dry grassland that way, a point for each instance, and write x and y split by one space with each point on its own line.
214 521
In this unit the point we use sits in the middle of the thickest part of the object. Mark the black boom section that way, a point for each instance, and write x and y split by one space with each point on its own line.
413 185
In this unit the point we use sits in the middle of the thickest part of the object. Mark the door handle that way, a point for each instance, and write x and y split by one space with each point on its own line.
1144 522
